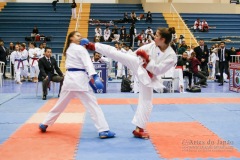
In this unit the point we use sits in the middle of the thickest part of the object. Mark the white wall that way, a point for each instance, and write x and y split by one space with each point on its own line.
187 1
98 1
197 1
31 1
62 1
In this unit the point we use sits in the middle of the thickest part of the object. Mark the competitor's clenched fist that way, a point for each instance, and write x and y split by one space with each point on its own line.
143 54
90 46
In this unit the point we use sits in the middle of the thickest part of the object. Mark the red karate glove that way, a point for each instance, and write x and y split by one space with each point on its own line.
145 58
90 46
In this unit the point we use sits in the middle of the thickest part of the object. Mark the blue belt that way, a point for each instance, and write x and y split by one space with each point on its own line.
75 69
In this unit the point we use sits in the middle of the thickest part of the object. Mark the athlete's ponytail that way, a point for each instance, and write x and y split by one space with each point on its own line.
69 41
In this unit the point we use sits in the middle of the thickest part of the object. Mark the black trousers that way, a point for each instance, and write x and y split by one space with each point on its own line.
12 68
202 76
54 78
131 40
5 67
189 75
204 68
223 67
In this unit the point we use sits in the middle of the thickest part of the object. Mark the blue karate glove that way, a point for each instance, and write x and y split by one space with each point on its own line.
84 41
96 84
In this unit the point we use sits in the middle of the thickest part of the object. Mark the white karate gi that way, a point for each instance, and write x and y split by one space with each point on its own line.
121 68
76 85
19 59
24 69
98 32
212 59
159 64
196 24
33 61
107 34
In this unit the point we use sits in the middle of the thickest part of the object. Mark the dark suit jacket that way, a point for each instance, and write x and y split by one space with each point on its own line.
3 54
202 54
46 68
227 54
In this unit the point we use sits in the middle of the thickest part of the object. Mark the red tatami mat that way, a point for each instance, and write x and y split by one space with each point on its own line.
188 100
188 140
28 143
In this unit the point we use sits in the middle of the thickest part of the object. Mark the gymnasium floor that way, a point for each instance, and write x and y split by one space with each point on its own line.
182 126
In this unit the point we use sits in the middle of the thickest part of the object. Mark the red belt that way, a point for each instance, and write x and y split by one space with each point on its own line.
34 59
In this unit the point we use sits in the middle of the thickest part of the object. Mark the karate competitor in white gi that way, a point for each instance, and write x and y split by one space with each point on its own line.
76 84
16 60
153 60
34 55
19 59
24 61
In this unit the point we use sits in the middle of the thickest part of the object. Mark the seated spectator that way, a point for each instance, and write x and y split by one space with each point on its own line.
113 38
97 57
148 29
125 17
147 41
133 16
196 72
98 34
107 34
140 37
115 33
182 48
128 38
150 36
35 31
140 43
48 66
205 26
197 25
123 33
186 65
149 17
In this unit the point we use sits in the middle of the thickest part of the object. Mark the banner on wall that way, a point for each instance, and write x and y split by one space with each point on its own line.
234 81
101 69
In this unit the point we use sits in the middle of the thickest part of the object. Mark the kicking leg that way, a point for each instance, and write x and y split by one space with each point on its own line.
128 60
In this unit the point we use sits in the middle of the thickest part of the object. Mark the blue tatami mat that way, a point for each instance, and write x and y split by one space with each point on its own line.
16 112
123 147
7 97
